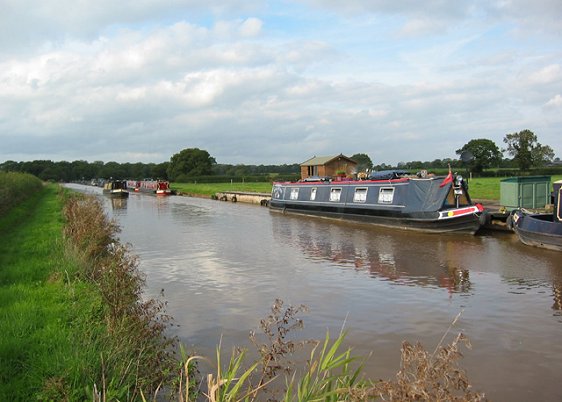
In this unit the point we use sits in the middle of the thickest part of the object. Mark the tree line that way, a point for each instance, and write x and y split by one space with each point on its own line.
192 163
81 170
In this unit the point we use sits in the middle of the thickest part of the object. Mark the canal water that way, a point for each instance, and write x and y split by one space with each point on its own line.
221 266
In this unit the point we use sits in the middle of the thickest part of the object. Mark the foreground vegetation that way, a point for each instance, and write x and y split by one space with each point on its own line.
74 327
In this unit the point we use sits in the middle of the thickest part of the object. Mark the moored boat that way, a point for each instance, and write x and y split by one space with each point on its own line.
426 204
540 229
149 186
115 188
133 185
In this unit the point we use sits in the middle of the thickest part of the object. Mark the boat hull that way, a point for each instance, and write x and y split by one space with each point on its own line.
538 230
116 193
467 224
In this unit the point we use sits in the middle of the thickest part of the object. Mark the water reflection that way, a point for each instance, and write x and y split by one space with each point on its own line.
402 258
118 203
557 293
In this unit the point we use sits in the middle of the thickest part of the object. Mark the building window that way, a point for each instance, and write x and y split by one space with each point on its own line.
335 194
360 194
386 195
294 194
313 194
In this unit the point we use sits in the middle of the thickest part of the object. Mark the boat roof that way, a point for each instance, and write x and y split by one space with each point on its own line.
347 182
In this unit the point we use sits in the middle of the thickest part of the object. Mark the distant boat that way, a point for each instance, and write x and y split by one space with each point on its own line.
389 198
540 230
115 188
149 186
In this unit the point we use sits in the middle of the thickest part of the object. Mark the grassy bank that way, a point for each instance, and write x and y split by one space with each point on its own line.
487 188
15 188
41 313
72 322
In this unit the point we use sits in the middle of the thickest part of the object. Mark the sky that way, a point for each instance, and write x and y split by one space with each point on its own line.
275 82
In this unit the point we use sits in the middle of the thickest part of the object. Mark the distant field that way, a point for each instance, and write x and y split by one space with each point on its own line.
209 189
487 188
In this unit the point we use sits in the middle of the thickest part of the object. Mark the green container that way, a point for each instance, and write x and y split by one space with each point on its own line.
532 192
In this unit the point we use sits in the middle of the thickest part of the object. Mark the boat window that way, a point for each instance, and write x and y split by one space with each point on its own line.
335 194
386 195
360 194
313 194
294 194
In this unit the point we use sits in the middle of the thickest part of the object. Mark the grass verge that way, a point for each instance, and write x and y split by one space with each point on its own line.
488 188
208 189
41 313
72 320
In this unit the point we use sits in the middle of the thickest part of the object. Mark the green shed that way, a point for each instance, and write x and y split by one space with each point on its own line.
531 192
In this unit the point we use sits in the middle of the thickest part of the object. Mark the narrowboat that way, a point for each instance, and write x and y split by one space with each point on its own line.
149 186
422 203
115 188
133 185
540 229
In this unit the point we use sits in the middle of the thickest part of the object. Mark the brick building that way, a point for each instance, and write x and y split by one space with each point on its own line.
328 166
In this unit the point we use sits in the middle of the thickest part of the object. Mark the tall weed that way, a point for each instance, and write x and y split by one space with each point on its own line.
137 355
331 372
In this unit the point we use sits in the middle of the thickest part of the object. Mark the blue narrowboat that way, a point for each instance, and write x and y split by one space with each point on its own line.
437 204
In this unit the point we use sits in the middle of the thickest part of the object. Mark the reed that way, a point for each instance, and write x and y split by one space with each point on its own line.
331 372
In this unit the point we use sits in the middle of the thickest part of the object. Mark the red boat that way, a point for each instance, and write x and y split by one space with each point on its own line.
156 187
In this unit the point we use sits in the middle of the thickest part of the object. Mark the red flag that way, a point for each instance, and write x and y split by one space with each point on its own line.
448 179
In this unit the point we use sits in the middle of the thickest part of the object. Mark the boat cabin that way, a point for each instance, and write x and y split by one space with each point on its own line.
332 167
115 185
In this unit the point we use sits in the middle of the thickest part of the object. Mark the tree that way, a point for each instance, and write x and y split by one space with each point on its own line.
485 152
363 162
190 162
526 150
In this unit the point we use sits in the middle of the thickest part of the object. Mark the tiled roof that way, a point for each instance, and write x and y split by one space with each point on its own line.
323 160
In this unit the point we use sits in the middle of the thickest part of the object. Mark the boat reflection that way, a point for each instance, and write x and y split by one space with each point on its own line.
408 259
119 203
557 294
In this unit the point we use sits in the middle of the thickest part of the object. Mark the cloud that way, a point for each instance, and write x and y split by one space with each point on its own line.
27 24
547 75
398 81
555 102
433 16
